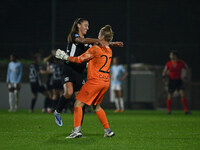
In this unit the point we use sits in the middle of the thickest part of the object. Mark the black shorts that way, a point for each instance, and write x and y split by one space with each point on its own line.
77 78
35 88
175 85
57 85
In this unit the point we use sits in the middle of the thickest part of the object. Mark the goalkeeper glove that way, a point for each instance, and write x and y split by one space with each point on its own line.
60 54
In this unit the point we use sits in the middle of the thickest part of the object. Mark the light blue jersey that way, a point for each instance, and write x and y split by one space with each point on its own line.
117 71
14 73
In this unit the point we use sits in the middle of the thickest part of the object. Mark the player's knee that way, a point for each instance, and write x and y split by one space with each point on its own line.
54 97
68 93
182 95
78 104
97 108
169 96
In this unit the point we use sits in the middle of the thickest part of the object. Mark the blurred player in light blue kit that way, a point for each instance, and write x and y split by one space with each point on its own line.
14 75
118 74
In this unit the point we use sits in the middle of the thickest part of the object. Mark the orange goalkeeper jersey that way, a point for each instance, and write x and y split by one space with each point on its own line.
99 62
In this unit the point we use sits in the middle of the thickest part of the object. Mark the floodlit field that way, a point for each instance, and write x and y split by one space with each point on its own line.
134 130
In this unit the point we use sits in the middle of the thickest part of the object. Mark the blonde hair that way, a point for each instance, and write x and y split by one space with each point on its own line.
107 33
75 28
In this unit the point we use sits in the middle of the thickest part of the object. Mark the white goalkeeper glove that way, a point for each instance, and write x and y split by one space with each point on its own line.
60 54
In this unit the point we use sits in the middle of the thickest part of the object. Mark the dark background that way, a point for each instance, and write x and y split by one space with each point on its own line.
149 29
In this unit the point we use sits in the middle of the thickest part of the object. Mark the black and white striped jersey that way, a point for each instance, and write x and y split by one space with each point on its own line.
76 49
57 72
34 73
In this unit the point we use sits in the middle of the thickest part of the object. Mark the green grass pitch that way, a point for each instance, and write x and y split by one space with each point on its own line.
134 129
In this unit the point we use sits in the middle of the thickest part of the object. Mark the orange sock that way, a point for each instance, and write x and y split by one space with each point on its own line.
102 117
78 113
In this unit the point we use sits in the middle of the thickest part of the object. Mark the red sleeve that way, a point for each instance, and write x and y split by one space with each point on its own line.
88 55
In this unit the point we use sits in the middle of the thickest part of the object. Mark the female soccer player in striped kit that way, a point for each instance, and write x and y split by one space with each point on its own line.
98 80
35 70
175 66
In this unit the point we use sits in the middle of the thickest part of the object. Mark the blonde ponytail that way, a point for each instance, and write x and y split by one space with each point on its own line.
107 33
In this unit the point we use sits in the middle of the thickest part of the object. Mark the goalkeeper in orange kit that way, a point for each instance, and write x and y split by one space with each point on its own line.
98 80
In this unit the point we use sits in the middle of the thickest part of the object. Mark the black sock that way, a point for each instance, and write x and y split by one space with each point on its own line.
50 103
46 103
66 107
71 105
61 104
54 104
83 114
33 103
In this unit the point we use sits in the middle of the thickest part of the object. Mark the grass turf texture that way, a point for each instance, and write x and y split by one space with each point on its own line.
134 130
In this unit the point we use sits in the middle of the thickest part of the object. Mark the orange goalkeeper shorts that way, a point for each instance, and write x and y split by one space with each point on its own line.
92 92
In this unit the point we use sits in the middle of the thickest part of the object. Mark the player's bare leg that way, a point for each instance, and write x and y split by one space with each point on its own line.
16 92
121 100
117 101
16 99
11 99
